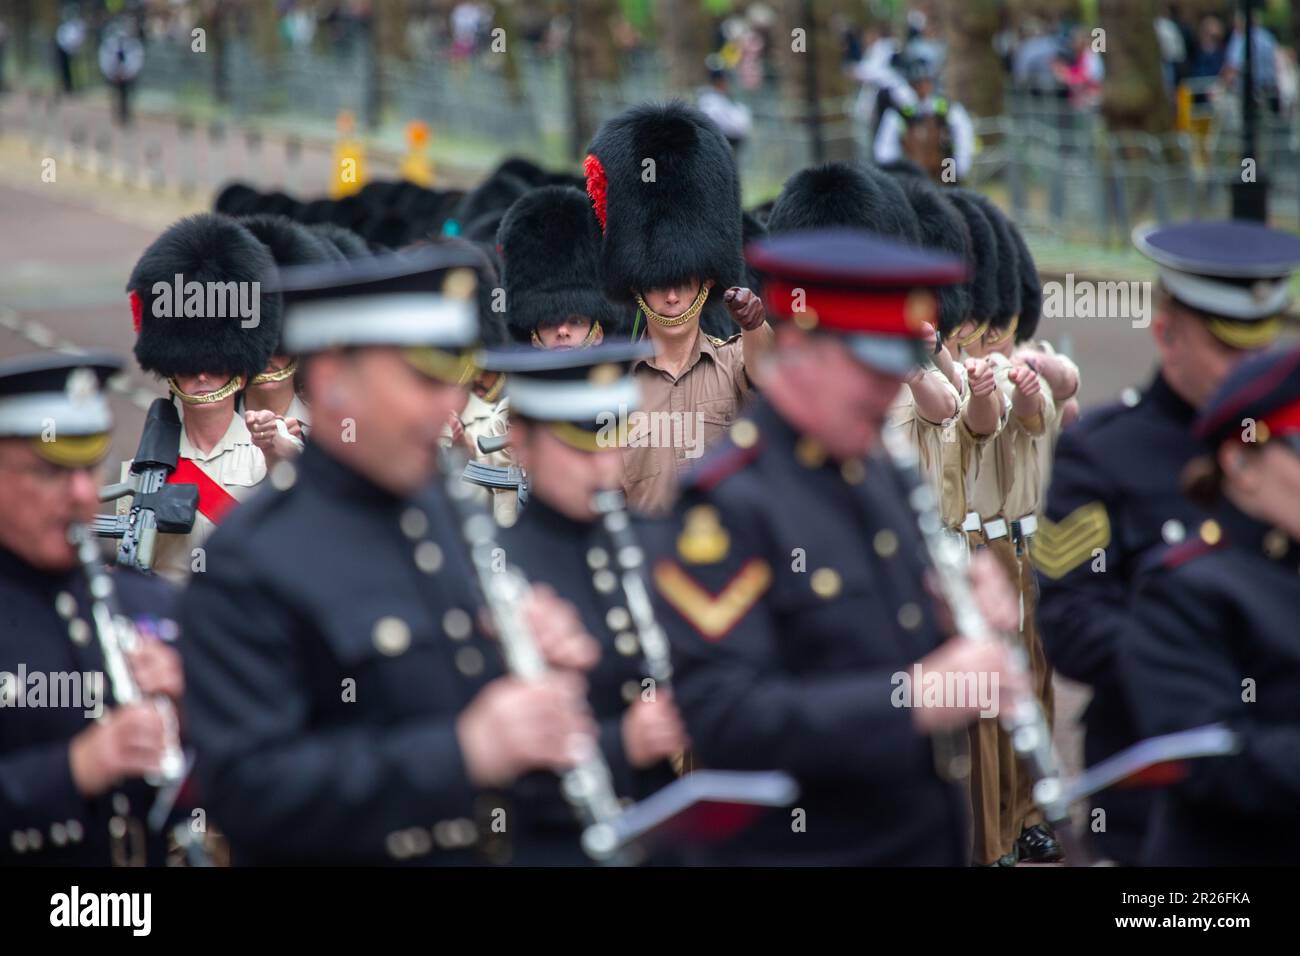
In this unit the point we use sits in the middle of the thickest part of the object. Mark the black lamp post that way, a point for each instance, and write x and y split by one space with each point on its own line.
1249 199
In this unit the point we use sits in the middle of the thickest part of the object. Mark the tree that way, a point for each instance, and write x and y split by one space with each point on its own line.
974 72
808 51
1133 95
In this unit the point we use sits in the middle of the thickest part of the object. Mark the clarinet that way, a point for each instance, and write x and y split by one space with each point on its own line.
588 786
1024 722
117 636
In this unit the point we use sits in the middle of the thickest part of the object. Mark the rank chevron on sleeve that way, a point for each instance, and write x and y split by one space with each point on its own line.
713 615
1061 546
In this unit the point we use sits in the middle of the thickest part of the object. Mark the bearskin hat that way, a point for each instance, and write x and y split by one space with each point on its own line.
843 194
496 193
943 229
663 183
550 249
347 242
290 243
237 199
984 261
1008 274
522 169
1031 290
217 251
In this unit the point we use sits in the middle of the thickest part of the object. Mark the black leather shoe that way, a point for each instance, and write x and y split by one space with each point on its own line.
1038 844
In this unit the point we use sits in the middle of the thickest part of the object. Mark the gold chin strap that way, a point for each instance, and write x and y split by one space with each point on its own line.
493 393
589 339
1010 331
975 336
1246 335
682 319
266 378
224 392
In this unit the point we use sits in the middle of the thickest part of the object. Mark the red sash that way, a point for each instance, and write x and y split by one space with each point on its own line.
214 501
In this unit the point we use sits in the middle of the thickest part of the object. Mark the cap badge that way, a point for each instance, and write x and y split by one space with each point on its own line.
703 540
82 385
606 373
459 284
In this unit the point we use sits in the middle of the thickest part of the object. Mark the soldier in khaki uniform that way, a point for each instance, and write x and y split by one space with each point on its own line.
207 350
1005 486
664 187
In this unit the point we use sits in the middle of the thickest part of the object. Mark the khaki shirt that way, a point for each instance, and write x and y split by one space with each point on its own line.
680 418
941 453
484 420
1007 478
236 464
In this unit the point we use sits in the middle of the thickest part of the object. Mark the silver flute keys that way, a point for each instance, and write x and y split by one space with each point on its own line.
588 786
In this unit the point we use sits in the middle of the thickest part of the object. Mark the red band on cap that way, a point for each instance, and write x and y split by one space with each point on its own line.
597 186
1284 420
885 312
137 310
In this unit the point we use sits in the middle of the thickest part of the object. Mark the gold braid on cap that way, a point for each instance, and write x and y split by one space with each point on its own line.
224 392
682 319
589 339
974 337
266 378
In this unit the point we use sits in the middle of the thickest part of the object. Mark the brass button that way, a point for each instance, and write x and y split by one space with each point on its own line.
75 831
630 690
1275 544
79 631
398 844
414 523
597 558
807 319
604 581
454 834
469 661
853 472
744 434
826 583
65 605
456 624
117 828
121 805
18 840
58 834
885 543
391 636
809 453
35 840
627 644
283 476
1172 531
617 619
428 557
909 616
1211 533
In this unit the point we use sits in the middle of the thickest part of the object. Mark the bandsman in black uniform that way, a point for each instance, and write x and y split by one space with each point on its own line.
565 415
1114 495
71 762
793 582
1214 636
347 705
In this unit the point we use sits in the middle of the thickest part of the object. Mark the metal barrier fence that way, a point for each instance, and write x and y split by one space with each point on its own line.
1060 171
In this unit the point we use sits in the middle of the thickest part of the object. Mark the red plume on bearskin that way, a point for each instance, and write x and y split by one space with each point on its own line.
597 186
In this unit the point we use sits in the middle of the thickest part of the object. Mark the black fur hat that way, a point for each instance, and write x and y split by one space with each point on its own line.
752 230
1031 290
984 261
524 169
1008 275
290 243
942 228
496 193
550 248
844 194
663 182
903 167
347 242
207 248
237 199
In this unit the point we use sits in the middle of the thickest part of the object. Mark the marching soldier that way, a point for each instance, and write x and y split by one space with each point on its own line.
272 395
207 324
566 411
795 628
1213 636
71 789
346 703
1113 496
664 186
928 129
550 250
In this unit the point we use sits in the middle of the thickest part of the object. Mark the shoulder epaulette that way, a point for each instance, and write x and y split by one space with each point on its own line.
728 460
717 342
